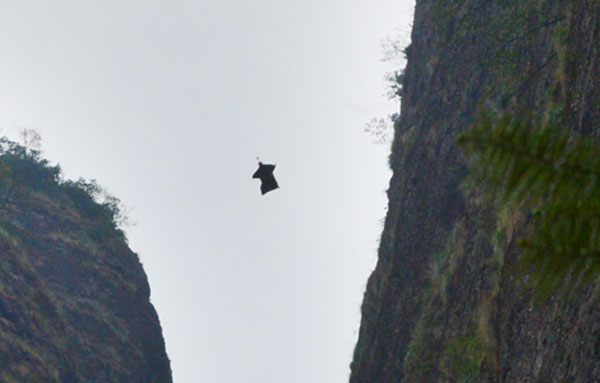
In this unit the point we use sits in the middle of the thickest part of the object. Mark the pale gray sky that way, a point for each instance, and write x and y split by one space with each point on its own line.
167 104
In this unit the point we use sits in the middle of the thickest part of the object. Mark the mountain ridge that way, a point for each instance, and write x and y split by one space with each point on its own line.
74 299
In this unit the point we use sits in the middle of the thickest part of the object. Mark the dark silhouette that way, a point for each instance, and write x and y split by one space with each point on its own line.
267 179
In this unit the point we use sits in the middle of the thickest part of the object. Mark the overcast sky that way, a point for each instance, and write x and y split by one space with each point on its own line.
167 104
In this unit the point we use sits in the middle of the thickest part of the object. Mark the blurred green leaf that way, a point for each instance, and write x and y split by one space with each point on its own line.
551 174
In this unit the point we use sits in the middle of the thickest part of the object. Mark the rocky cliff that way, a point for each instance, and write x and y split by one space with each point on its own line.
449 300
74 299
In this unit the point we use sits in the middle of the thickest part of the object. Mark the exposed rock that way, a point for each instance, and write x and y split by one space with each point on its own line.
448 300
74 299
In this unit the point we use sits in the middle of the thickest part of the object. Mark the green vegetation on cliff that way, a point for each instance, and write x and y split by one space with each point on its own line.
449 299
23 168
552 175
74 299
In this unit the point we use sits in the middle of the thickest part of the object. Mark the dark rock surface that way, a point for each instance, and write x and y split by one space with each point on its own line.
448 301
74 299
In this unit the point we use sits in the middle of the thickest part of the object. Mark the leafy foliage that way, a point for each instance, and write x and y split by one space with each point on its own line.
382 129
395 88
94 202
395 49
555 176
23 165
26 166
462 358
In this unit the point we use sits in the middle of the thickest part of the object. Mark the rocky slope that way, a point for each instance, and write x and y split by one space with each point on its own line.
448 300
74 299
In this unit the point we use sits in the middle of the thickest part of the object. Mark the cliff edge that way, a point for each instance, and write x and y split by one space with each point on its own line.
74 299
448 300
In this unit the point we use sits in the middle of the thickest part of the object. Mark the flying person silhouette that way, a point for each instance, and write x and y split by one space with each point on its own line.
267 179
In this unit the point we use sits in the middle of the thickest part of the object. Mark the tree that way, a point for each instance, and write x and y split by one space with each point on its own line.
395 50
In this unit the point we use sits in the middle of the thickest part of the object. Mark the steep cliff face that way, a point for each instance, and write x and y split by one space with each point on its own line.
448 300
74 299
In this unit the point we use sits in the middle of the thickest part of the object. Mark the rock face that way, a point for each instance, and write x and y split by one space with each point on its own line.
448 300
74 299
